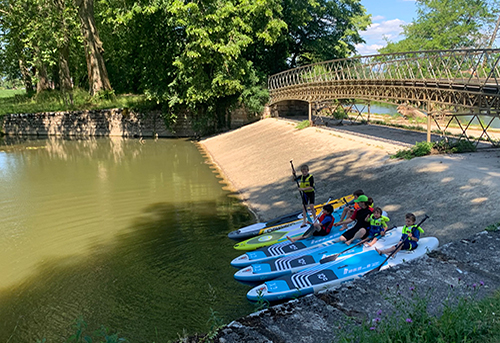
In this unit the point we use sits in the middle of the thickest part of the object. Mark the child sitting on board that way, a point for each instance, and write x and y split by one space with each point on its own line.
409 238
349 210
378 225
321 227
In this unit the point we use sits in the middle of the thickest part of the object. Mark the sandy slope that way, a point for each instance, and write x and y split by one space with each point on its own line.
459 192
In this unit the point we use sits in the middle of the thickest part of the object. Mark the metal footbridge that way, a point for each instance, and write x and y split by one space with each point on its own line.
445 85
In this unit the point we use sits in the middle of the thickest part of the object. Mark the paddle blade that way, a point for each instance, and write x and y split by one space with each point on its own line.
308 231
329 259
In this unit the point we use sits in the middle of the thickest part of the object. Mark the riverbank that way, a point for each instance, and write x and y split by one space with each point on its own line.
458 192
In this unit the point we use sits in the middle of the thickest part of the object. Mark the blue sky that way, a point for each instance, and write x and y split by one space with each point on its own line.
387 18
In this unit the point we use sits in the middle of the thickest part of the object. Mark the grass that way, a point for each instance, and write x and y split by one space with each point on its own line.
441 147
462 320
303 124
53 101
7 93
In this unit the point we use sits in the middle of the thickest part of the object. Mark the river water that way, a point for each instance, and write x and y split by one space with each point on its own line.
127 235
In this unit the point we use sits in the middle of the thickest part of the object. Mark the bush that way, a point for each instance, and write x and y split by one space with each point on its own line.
420 149
463 319
303 124
443 147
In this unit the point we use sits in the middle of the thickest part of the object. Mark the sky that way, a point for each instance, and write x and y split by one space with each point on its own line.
387 18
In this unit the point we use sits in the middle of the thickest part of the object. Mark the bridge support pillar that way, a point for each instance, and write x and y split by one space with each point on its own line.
310 114
429 124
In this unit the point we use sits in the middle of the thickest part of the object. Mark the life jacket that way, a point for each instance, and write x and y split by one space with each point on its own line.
410 229
378 222
306 183
329 227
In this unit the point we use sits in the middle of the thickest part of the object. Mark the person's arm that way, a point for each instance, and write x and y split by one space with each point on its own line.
367 219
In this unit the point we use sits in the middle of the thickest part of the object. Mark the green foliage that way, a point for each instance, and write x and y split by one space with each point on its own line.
493 227
462 320
217 56
443 146
459 146
449 24
51 101
420 149
303 124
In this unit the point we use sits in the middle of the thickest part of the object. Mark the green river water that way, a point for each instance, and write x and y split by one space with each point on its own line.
127 235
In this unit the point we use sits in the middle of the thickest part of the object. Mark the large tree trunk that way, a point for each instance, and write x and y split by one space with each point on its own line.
98 76
41 74
28 82
64 73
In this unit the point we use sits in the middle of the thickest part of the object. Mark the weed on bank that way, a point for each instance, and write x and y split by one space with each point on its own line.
462 320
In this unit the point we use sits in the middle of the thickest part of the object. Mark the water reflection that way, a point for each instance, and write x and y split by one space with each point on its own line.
129 235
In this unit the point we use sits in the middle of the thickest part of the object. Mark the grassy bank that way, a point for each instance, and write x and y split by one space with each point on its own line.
52 101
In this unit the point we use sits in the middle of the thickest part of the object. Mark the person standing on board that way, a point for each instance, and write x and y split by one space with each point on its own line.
306 187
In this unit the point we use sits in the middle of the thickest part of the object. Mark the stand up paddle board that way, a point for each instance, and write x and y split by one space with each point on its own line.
283 221
333 274
296 262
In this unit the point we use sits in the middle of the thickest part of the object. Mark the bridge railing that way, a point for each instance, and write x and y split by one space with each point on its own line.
478 67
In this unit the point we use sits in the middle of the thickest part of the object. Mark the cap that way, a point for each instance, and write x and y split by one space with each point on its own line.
361 198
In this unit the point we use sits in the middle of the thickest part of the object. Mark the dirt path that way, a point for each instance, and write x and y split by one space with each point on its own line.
459 192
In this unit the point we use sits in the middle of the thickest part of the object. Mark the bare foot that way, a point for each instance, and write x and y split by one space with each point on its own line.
379 251
290 239
348 242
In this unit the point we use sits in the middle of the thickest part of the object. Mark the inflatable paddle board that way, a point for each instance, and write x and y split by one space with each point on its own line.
274 237
286 248
333 274
284 221
294 263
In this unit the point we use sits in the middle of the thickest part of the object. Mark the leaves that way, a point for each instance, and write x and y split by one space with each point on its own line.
449 24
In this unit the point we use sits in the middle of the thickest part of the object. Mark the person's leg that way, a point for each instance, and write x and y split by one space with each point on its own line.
313 211
304 216
361 232
386 251
374 240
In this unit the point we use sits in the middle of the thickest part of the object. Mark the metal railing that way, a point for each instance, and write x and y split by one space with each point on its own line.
460 71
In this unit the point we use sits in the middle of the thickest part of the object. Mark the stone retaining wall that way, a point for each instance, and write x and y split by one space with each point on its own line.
110 122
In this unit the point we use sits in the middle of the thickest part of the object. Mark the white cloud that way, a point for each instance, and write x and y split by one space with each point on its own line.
371 49
392 27
377 17
377 34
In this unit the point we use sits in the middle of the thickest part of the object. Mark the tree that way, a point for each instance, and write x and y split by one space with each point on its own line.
448 24
96 68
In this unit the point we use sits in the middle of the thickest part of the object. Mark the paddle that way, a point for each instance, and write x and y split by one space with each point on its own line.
335 256
395 250
302 195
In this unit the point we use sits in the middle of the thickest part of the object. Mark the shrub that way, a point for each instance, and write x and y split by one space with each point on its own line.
420 149
303 124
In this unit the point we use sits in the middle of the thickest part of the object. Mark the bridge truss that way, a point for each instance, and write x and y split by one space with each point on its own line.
452 87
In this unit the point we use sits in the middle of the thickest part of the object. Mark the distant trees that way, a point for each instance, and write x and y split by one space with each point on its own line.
202 57
448 24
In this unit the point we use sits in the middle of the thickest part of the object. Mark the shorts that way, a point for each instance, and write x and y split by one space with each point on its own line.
349 234
374 231
308 198
409 245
